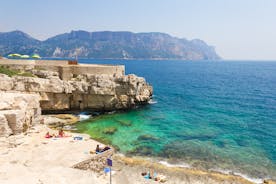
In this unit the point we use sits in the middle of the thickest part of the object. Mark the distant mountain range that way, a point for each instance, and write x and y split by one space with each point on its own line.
108 45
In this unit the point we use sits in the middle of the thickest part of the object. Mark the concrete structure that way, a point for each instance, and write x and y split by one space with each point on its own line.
65 69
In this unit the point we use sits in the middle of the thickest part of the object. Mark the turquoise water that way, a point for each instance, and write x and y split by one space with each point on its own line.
212 115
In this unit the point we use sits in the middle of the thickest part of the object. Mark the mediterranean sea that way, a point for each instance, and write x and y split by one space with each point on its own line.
218 115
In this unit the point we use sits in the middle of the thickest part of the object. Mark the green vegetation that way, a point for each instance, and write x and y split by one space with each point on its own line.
7 71
12 72
26 74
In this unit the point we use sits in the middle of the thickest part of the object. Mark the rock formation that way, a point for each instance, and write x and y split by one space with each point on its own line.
101 88
18 112
87 91
97 163
22 98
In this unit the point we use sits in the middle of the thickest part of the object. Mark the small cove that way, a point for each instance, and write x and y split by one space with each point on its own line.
211 115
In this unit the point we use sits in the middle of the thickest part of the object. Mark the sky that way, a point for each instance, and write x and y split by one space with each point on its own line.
238 29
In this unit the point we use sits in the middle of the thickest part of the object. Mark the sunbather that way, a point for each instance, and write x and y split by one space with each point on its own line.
153 175
161 178
149 175
61 133
100 150
48 135
105 148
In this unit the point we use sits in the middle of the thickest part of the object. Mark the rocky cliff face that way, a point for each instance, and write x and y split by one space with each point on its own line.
96 92
22 98
18 112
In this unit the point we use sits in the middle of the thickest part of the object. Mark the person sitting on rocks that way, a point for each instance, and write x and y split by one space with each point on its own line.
100 150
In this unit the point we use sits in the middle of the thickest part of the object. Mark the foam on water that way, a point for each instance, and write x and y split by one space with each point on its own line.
183 165
152 101
254 180
83 117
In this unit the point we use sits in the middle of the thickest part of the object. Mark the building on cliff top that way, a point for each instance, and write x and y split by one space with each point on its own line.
66 68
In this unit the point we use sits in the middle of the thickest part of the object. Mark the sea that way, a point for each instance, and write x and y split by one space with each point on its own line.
213 115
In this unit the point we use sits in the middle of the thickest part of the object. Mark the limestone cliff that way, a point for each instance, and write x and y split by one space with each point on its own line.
18 112
22 98
86 91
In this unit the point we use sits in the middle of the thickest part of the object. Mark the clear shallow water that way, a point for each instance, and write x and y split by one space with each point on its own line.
213 115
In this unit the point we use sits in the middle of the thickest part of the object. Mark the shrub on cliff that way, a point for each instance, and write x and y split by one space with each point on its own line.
11 72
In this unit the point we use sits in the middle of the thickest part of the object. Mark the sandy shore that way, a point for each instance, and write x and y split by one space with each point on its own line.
34 159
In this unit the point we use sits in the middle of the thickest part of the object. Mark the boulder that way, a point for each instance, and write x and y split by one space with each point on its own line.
18 112
5 130
45 74
6 83
15 120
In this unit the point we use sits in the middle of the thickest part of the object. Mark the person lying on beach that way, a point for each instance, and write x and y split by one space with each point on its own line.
146 175
149 175
100 150
48 135
153 175
105 148
160 178
61 133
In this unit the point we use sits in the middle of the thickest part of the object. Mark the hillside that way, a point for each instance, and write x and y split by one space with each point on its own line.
107 44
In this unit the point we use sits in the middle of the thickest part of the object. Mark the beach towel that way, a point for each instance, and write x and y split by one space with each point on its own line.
78 138
147 176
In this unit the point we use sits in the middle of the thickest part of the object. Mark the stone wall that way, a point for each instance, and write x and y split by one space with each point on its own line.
65 71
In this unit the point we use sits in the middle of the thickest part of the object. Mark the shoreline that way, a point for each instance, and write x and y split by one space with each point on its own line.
186 167
165 162
38 157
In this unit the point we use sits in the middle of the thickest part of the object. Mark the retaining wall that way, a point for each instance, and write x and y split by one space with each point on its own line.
66 71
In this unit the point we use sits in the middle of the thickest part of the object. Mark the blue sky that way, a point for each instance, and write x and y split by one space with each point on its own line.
239 29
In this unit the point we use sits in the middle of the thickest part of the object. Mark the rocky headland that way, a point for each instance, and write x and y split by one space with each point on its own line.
44 89
87 91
